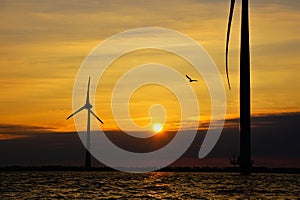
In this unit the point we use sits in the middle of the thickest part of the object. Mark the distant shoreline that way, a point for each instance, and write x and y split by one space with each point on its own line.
166 169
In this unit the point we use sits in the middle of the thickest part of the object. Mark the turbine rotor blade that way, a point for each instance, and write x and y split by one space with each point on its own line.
96 117
88 92
227 39
80 109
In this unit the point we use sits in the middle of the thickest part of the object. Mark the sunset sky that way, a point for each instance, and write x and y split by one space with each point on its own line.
43 44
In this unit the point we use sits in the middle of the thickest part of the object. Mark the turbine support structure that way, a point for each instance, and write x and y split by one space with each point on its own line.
244 160
245 97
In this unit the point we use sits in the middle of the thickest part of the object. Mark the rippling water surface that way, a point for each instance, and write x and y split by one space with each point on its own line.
156 185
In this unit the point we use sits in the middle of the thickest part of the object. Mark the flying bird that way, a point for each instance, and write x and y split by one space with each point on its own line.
190 79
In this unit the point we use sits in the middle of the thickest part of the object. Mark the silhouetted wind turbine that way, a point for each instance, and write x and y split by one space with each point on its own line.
190 79
89 107
245 131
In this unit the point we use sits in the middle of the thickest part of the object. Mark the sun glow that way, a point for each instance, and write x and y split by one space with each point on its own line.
157 127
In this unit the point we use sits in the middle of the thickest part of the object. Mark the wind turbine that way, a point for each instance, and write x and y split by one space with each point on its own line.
88 107
245 114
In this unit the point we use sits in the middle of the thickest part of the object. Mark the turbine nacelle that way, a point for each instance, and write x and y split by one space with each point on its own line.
88 106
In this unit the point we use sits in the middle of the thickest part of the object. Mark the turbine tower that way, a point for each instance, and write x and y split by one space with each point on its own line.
88 107
245 113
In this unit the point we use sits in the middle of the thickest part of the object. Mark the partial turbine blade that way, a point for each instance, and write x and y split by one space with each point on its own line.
96 117
88 92
228 36
80 109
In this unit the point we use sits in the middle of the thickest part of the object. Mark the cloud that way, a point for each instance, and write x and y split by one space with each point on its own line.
275 141
19 128
18 131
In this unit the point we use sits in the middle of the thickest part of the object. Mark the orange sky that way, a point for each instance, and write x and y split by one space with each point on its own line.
43 44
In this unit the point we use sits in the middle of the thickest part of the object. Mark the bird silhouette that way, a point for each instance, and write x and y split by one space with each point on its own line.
190 79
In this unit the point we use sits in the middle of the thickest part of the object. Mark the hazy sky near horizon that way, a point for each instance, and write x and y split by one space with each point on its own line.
34 146
43 44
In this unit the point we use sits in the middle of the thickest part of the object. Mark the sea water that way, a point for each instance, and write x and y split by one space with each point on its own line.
154 185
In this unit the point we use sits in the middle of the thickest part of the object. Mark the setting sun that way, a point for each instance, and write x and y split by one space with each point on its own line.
157 127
